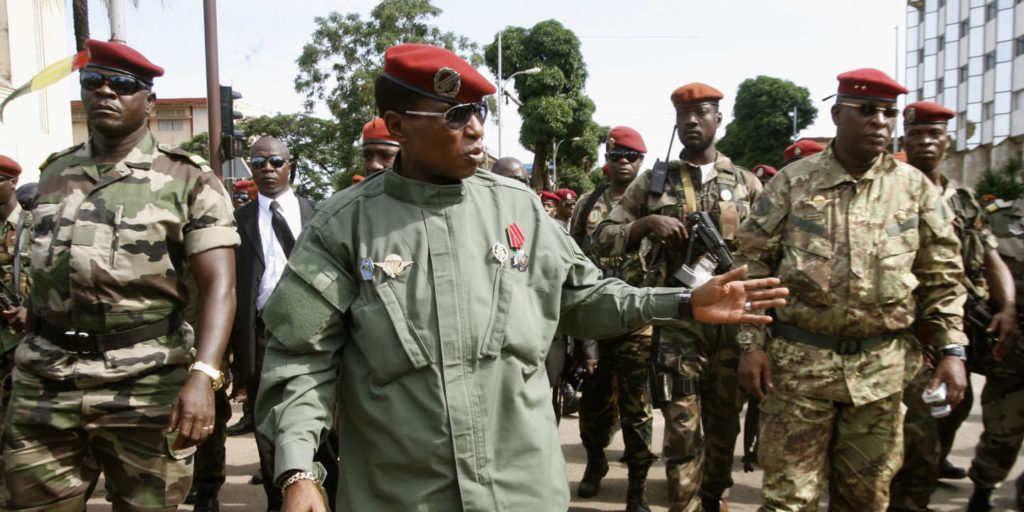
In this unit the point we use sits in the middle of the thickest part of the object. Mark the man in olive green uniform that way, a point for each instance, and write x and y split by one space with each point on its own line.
925 142
422 304
866 244
619 381
103 382
15 233
699 458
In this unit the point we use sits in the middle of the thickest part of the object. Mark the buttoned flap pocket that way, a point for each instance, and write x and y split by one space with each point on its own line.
386 336
728 219
46 216
896 255
807 265
501 301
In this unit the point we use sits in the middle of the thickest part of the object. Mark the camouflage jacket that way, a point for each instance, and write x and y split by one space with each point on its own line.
628 267
861 258
976 240
110 252
1006 220
10 245
726 197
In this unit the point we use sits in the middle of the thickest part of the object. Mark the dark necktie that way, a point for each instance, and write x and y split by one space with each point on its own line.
284 235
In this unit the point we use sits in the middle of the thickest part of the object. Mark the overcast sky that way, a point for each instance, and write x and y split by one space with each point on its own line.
636 52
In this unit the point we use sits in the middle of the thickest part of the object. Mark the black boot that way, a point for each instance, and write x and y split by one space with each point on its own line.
714 505
636 495
244 425
947 471
980 500
207 502
597 468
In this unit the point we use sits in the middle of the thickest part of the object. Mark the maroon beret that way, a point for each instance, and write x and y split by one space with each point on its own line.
436 73
549 196
375 132
765 171
565 193
120 57
802 148
695 93
8 167
241 186
626 137
926 112
870 84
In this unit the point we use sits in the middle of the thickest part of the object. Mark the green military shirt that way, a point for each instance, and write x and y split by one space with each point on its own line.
861 257
438 368
971 228
110 251
1006 219
10 245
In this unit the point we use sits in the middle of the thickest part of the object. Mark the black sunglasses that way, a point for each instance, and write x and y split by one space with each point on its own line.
275 161
870 110
123 85
618 154
457 117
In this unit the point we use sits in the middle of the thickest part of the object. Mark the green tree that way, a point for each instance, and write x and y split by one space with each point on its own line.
554 107
344 56
1002 182
762 124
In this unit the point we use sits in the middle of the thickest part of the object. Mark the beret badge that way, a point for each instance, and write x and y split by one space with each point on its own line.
910 114
447 82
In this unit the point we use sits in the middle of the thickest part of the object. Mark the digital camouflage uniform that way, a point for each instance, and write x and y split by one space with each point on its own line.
862 258
621 376
9 337
917 478
695 461
111 247
1002 399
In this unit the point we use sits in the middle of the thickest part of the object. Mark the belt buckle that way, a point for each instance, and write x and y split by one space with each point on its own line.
79 340
848 346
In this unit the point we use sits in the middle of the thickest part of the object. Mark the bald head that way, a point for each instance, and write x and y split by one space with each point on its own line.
272 144
511 168
271 166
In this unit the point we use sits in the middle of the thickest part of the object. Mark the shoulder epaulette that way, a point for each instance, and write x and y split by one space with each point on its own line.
177 151
54 156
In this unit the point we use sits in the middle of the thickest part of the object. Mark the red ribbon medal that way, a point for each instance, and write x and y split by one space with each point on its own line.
516 238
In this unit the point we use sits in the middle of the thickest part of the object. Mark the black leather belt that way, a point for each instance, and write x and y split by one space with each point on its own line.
842 345
88 343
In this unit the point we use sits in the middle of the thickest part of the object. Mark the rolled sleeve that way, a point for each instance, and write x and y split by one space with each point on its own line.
210 238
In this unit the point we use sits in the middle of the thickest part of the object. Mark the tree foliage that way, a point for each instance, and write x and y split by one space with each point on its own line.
762 124
344 56
554 107
1002 182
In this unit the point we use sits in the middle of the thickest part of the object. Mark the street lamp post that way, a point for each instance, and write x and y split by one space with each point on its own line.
501 92
554 160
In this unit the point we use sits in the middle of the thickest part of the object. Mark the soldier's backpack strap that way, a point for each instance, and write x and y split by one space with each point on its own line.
689 194
579 230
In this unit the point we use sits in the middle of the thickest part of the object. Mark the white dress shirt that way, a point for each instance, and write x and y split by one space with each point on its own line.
274 258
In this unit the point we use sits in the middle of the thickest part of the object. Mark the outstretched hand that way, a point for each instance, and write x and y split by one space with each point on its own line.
724 300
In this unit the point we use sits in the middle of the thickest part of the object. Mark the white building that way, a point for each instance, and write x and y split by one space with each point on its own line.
32 36
968 55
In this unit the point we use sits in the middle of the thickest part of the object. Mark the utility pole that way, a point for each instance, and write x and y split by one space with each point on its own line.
115 12
794 122
500 91
212 84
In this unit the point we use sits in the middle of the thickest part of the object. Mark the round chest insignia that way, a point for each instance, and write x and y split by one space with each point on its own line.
726 195
447 82
594 217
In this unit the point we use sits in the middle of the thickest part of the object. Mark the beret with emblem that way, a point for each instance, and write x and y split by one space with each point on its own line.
241 186
926 112
565 194
869 84
435 73
123 58
803 148
695 94
8 167
549 196
764 171
624 136
375 132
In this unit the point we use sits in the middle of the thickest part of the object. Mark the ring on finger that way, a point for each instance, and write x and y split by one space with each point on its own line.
746 306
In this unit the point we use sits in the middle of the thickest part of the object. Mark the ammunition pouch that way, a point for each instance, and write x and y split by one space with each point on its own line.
668 383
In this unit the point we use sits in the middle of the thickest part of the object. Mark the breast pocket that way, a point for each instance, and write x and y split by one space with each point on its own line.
896 255
387 338
47 218
807 265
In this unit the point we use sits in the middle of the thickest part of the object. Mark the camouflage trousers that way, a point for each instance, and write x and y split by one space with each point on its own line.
59 438
1002 415
6 368
620 381
701 429
805 442
210 456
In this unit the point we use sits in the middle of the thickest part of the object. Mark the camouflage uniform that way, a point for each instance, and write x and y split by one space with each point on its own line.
862 258
9 337
621 375
711 353
111 247
917 478
1002 399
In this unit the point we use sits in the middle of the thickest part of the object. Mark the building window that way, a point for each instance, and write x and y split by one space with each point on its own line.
170 125
1020 45
942 42
987 111
990 60
965 26
991 11
964 74
920 56
940 84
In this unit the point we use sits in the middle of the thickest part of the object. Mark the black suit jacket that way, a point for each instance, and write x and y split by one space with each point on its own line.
249 267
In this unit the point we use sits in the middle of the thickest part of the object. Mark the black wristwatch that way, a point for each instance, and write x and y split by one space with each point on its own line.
956 351
685 308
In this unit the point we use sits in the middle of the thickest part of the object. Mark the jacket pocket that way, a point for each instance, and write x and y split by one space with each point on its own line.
494 335
896 255
807 266
387 338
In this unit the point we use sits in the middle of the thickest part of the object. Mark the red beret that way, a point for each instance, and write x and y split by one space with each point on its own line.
375 132
870 84
436 73
241 186
626 137
356 178
802 148
695 93
926 112
8 167
120 57
549 196
565 193
605 169
901 156
765 171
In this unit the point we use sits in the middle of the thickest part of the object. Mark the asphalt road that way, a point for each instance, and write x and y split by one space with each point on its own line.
238 495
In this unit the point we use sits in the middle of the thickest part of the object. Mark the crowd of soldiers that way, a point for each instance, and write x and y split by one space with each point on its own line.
394 342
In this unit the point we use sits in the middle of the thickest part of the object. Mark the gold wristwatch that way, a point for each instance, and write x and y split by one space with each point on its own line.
216 376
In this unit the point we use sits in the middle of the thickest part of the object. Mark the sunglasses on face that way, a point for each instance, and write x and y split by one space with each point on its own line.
618 154
457 117
275 161
870 110
123 85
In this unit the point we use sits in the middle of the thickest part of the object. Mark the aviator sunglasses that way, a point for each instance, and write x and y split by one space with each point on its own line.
618 154
123 85
870 110
457 117
275 161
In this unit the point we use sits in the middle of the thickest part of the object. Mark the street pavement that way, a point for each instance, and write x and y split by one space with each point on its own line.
238 495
